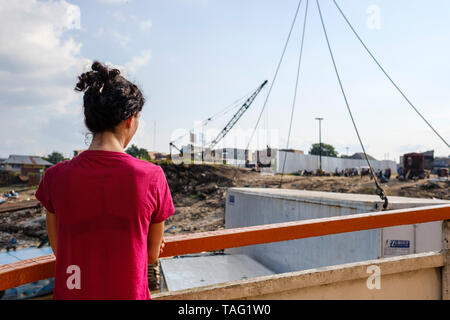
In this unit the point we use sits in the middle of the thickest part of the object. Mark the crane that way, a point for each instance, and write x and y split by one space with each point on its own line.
237 116
230 124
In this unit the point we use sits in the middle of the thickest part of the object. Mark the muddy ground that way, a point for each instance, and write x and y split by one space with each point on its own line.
199 192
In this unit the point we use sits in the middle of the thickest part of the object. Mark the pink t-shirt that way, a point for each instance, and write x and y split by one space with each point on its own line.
104 202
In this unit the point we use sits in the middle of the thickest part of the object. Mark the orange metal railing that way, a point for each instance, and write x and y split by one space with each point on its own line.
26 271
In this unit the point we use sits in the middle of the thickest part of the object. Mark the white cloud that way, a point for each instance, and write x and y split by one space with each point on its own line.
118 16
34 56
114 1
145 24
100 32
202 3
131 67
121 39
138 62
39 65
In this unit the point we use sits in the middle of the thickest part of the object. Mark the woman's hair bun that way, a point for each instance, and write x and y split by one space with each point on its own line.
97 66
113 74
108 98
97 78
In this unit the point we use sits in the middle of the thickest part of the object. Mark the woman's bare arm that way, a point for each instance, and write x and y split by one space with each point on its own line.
155 241
52 231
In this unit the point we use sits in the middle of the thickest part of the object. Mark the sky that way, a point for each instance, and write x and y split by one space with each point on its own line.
193 58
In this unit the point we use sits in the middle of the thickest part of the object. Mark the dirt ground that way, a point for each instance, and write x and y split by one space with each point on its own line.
199 193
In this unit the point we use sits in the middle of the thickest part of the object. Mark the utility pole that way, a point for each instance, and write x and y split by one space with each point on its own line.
320 141
203 141
154 136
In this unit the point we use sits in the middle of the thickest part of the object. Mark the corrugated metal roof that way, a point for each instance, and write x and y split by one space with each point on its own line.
18 159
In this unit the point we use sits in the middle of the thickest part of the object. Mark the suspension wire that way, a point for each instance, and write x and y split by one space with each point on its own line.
237 103
387 75
380 190
295 90
273 81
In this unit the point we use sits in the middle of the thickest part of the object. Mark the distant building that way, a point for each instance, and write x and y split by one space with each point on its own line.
428 160
413 161
266 156
231 156
2 166
191 153
25 164
29 168
441 163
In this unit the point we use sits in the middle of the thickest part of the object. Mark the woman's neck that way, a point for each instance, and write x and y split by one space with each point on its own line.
106 141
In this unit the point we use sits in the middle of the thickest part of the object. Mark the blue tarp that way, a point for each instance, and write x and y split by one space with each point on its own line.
24 254
30 290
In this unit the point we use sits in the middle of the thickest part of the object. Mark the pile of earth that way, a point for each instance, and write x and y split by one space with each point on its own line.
27 227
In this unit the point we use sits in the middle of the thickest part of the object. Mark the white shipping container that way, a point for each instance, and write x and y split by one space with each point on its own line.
256 206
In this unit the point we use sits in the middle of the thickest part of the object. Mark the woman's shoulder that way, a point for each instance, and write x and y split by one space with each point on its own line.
146 166
151 172
56 167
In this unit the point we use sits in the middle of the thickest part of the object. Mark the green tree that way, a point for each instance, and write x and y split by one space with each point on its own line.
54 157
139 153
327 150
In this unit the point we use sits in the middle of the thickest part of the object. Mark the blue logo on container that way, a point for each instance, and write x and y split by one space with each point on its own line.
398 243
231 198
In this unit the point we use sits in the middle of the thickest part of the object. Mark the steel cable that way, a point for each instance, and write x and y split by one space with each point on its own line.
295 90
380 190
272 83
387 75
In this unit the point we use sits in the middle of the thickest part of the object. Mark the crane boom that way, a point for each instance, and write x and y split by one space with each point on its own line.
237 116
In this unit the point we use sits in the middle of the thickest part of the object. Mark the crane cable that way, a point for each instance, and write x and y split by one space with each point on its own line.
272 83
380 192
387 75
295 91
237 103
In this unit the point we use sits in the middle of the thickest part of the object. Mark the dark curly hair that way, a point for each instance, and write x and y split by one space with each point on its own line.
109 98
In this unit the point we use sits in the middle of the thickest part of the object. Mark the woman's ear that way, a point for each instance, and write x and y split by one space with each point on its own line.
129 122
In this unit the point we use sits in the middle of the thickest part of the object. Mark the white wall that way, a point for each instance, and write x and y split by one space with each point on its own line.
296 161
